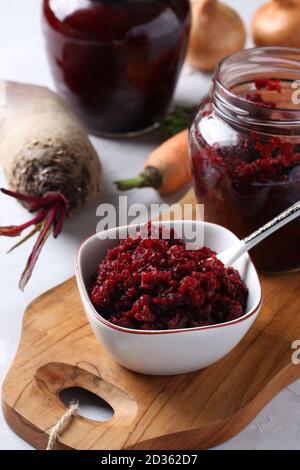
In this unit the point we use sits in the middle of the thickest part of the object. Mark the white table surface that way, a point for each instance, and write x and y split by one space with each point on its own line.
22 58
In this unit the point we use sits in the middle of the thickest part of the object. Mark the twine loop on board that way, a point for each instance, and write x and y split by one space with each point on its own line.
63 423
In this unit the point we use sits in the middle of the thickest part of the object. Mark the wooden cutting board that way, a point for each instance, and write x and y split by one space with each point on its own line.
193 411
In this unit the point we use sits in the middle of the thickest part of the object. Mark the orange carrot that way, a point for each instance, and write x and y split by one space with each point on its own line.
167 167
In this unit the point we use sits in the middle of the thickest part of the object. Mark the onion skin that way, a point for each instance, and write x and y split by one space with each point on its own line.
217 31
277 24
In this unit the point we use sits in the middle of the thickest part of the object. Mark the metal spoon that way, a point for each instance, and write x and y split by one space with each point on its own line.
229 256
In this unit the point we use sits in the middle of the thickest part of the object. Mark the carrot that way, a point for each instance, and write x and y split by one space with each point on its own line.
167 167
50 165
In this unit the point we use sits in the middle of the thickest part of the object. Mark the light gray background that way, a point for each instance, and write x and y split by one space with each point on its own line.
22 58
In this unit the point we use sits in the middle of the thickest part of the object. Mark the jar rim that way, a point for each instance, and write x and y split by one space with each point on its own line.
268 62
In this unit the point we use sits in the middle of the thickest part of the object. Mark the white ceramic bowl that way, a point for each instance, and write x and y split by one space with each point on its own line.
168 352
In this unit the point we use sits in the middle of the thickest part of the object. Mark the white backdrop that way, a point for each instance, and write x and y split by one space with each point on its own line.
22 58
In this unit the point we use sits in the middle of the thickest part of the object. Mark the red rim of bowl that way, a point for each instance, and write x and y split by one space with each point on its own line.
98 317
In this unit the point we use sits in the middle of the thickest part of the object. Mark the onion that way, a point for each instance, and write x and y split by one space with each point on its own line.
217 31
277 24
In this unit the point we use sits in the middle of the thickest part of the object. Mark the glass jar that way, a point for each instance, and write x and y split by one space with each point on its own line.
245 150
116 62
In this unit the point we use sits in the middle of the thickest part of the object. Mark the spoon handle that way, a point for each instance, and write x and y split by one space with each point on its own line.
275 224
228 257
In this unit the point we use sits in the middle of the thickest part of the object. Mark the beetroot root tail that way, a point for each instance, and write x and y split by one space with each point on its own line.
51 211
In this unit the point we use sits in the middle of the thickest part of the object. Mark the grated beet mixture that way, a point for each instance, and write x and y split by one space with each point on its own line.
156 284
247 176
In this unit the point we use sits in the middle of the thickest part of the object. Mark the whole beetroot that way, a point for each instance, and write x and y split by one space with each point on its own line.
50 164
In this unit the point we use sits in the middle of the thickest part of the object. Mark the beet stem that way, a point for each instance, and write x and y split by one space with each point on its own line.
31 200
52 210
36 202
60 217
16 230
36 229
43 236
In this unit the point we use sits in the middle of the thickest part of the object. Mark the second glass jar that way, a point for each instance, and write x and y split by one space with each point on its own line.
245 146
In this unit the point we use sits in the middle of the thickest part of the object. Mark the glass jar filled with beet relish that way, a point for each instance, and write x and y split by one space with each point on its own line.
116 62
245 147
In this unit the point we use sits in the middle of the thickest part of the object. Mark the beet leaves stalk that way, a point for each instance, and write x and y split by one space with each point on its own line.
50 213
176 121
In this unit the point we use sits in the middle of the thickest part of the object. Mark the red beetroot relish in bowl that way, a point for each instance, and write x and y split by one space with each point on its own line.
156 284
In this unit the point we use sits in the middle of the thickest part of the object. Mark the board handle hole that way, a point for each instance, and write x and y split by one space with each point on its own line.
91 406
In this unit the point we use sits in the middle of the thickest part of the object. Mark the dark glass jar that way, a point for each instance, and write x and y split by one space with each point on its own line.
245 147
116 62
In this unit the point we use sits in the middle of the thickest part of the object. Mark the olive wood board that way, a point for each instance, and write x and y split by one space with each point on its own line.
194 411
